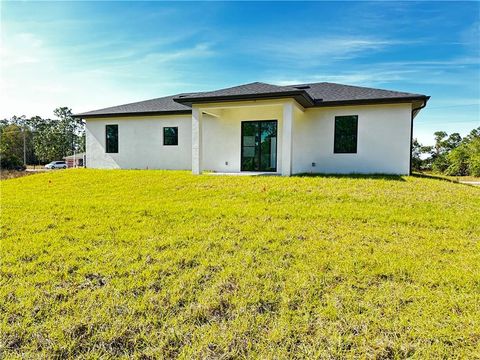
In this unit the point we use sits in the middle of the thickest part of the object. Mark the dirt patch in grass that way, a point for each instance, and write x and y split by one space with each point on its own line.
12 174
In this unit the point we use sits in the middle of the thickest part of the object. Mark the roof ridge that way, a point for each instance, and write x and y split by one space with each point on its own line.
241 85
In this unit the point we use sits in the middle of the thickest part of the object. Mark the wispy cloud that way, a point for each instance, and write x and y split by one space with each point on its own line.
462 71
363 77
323 50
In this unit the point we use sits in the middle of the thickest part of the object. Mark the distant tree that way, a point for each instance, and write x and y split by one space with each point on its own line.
464 158
3 123
474 158
457 161
444 144
49 141
439 142
12 140
438 158
56 138
11 146
72 128
418 150
15 138
44 139
472 141
474 134
453 141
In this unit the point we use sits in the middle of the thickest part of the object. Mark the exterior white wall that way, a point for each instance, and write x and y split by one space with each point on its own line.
140 143
383 141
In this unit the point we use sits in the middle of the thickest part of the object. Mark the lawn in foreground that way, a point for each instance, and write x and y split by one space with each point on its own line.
154 264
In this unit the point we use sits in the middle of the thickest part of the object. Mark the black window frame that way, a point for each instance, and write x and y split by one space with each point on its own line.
166 136
354 149
108 146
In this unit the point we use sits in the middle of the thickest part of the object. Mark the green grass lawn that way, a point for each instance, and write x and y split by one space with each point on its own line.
158 264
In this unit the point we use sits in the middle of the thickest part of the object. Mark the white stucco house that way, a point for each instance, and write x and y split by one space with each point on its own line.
258 127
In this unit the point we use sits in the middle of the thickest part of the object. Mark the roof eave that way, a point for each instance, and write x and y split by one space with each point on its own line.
397 100
300 97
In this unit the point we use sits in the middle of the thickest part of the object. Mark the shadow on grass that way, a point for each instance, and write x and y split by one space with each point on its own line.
434 177
354 176
441 178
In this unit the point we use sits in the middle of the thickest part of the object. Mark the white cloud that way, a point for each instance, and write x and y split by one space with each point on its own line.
362 77
321 50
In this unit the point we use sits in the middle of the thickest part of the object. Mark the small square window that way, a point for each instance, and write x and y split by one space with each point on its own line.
170 136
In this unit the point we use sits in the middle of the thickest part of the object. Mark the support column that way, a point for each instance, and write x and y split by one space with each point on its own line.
287 138
196 141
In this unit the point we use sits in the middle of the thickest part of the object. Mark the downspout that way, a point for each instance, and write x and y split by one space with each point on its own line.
411 133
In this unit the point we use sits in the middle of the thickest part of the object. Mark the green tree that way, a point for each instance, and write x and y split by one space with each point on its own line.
15 138
11 146
72 128
464 159
418 150
56 138
457 161
474 158
444 144
438 158
453 141
439 141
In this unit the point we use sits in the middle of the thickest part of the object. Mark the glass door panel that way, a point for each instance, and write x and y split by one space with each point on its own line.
268 146
250 141
259 145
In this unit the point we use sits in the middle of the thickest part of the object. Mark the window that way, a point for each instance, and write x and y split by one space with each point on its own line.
170 136
345 134
111 135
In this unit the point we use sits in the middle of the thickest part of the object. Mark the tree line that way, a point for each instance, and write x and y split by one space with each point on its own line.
37 140
451 155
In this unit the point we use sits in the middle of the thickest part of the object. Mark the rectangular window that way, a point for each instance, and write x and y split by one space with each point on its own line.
346 130
111 135
170 136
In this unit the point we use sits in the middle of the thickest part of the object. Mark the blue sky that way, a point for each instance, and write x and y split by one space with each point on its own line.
88 55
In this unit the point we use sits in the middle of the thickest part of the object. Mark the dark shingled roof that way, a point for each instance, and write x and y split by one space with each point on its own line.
159 105
314 94
246 89
256 90
337 92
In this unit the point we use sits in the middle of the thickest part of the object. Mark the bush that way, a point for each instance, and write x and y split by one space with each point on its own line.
474 158
11 162
458 160
440 163
474 165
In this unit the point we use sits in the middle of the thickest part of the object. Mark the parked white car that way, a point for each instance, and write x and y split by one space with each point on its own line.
56 165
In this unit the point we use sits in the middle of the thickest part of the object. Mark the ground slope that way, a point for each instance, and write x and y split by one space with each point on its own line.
153 264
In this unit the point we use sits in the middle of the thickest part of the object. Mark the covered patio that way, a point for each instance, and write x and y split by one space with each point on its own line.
244 137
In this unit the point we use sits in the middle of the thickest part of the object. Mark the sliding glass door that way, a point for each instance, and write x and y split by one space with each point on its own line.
259 145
